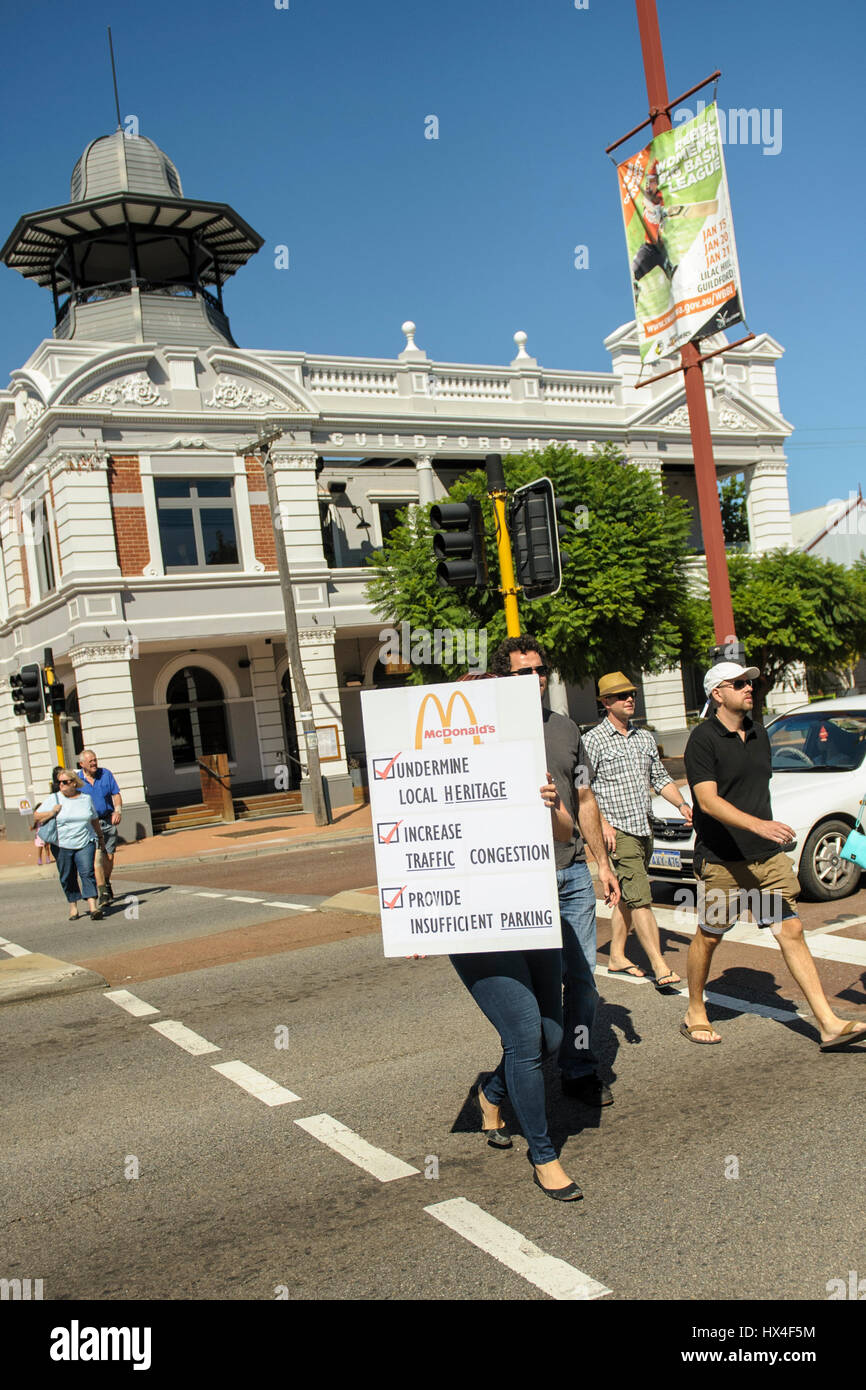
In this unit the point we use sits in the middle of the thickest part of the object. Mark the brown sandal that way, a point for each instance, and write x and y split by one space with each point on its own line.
700 1028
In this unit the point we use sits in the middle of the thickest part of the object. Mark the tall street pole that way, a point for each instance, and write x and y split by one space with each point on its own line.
262 447
693 372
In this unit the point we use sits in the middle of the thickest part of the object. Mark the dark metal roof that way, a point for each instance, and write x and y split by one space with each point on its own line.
39 237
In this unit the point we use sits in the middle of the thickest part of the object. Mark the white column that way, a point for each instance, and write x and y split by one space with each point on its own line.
424 471
82 507
557 696
14 551
16 780
664 701
768 507
268 708
108 725
320 668
298 503
790 692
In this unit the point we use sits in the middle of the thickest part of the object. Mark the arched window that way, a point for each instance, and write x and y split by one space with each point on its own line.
196 715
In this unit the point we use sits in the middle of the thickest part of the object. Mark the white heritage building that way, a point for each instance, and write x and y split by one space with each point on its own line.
139 545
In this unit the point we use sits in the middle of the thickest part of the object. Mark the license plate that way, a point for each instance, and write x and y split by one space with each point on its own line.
666 859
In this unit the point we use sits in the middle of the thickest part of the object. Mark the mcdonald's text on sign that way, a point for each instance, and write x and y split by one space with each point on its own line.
464 848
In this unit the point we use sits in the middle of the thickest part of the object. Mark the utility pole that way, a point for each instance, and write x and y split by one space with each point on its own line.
691 359
262 447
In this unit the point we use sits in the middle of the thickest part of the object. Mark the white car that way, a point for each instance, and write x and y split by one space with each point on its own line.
817 785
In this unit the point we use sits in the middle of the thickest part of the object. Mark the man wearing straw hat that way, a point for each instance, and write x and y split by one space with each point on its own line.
623 764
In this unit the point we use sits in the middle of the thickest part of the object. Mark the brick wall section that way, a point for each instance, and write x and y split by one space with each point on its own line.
130 527
262 522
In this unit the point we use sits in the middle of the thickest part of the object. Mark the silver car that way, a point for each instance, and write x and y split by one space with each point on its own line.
817 785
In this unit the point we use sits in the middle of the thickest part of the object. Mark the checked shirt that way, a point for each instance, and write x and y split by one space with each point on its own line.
622 768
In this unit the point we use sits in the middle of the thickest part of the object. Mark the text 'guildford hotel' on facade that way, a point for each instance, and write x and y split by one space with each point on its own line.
140 547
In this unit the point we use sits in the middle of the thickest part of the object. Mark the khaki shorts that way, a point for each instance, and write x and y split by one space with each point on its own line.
767 890
629 862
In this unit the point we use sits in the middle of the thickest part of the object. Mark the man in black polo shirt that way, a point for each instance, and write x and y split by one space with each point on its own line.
739 862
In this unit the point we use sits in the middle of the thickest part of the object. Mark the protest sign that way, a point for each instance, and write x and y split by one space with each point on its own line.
463 841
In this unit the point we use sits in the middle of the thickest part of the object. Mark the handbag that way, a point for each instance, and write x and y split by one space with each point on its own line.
854 847
47 831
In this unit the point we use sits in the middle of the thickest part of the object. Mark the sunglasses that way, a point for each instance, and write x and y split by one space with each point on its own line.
620 695
530 671
65 782
738 685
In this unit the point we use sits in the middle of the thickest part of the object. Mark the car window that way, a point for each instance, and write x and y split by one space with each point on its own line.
813 742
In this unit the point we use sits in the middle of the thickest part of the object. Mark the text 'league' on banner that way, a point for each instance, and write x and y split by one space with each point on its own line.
464 845
680 237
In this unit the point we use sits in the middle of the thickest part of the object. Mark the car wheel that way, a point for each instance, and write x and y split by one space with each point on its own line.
823 874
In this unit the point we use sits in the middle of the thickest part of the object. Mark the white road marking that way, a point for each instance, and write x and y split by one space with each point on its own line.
184 1037
210 895
298 907
554 1277
747 1006
258 1085
382 1165
845 949
246 900
134 1006
12 950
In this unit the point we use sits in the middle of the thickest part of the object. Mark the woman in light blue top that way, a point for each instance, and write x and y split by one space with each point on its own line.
78 832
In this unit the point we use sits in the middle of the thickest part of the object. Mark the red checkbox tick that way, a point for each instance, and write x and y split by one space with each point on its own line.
393 831
382 775
396 897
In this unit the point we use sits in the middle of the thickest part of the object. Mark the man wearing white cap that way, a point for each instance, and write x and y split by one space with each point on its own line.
739 862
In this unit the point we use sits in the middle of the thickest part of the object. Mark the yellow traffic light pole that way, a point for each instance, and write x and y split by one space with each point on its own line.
50 679
508 587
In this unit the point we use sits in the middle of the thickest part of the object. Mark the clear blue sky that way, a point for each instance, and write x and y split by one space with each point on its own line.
310 121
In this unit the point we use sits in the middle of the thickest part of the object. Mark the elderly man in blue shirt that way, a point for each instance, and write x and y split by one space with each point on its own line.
100 785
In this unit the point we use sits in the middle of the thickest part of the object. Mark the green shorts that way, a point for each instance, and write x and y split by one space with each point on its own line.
629 862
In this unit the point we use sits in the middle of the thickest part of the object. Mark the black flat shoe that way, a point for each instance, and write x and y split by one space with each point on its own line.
97 916
496 1138
572 1193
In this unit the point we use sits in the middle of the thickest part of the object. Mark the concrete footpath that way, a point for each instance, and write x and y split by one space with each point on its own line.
235 840
28 975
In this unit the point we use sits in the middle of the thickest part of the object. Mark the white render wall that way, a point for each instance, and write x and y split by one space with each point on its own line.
769 509
664 702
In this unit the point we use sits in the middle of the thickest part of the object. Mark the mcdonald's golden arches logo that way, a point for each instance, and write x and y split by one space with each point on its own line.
446 730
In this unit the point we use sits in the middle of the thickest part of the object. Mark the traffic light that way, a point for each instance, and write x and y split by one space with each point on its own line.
27 693
536 531
459 544
55 697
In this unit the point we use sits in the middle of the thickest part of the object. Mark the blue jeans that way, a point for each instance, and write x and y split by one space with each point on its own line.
521 993
577 913
74 862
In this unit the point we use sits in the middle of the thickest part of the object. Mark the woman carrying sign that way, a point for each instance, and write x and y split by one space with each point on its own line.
521 993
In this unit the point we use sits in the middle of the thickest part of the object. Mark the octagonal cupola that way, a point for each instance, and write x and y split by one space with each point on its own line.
129 258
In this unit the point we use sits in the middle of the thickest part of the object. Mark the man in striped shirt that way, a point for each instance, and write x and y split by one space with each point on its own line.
623 763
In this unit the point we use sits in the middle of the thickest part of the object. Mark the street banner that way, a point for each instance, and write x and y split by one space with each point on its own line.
463 841
680 237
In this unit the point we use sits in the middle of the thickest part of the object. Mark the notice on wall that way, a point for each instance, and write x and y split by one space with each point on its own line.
463 841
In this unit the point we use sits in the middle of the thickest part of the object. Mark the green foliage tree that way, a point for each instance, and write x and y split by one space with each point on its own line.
624 602
735 520
790 607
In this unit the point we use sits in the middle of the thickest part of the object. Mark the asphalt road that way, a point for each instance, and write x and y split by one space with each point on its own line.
719 1173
